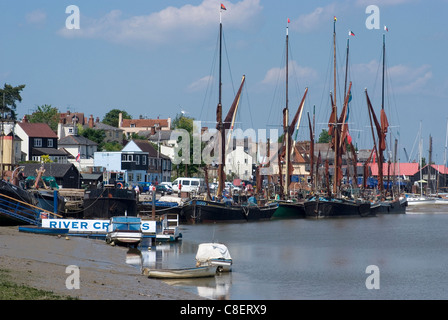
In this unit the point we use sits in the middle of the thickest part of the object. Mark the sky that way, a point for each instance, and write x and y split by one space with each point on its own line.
160 58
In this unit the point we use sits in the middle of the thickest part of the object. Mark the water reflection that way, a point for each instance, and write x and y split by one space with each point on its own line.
168 255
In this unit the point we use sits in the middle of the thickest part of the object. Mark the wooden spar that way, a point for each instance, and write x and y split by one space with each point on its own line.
311 154
297 118
378 150
229 121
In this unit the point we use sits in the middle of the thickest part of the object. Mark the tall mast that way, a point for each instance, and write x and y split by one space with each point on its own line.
384 58
335 123
346 66
219 115
286 124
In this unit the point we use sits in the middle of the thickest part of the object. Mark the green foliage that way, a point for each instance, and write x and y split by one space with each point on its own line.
324 137
111 118
46 114
112 146
9 95
13 291
186 123
45 159
94 135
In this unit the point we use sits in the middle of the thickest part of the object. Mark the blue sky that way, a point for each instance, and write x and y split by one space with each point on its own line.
156 58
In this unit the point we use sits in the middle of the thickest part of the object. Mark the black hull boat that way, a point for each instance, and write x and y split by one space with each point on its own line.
198 211
328 208
46 200
290 210
14 203
109 202
392 207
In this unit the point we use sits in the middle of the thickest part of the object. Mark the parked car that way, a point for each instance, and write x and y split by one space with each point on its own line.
145 186
189 185
164 189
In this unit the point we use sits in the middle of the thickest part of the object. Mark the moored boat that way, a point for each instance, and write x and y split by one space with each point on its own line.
290 210
390 206
200 211
420 200
124 230
184 273
214 255
109 201
321 207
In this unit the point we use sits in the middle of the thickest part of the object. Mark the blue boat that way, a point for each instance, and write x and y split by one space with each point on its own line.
42 230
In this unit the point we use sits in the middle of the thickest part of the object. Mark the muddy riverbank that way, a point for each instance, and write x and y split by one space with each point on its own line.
41 262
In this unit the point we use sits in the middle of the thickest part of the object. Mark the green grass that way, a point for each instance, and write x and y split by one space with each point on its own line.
13 291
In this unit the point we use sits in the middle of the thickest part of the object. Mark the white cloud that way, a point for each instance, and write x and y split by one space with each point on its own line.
200 84
310 22
273 75
184 24
36 17
404 79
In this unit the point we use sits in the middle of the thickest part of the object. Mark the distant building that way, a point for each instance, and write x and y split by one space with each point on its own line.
66 174
37 140
130 126
72 118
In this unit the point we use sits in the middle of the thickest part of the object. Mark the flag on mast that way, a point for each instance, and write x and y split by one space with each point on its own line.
386 28
350 33
289 20
223 7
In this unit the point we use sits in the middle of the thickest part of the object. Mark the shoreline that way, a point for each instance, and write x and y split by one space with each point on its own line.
41 261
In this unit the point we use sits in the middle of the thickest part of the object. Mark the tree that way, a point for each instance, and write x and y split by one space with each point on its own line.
46 114
94 135
111 118
8 97
112 146
186 123
324 137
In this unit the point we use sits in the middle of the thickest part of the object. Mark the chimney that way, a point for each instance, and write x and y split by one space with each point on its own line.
25 119
120 120
91 122
97 120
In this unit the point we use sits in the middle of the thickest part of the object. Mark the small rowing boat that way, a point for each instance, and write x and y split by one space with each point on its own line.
185 273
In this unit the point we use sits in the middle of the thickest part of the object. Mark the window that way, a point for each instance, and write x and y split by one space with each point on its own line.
194 183
38 142
50 143
139 177
137 161
186 182
130 177
144 160
130 157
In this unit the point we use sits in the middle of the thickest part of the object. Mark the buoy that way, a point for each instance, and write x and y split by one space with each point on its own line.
67 238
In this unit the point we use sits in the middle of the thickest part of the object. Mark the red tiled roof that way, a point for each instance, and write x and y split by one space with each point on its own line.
407 169
144 123
38 130
440 168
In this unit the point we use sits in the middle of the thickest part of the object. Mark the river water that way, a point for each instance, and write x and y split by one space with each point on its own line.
319 259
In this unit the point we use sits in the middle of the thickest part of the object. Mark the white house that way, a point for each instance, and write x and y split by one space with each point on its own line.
239 163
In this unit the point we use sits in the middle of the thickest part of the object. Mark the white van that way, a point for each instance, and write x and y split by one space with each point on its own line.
189 185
